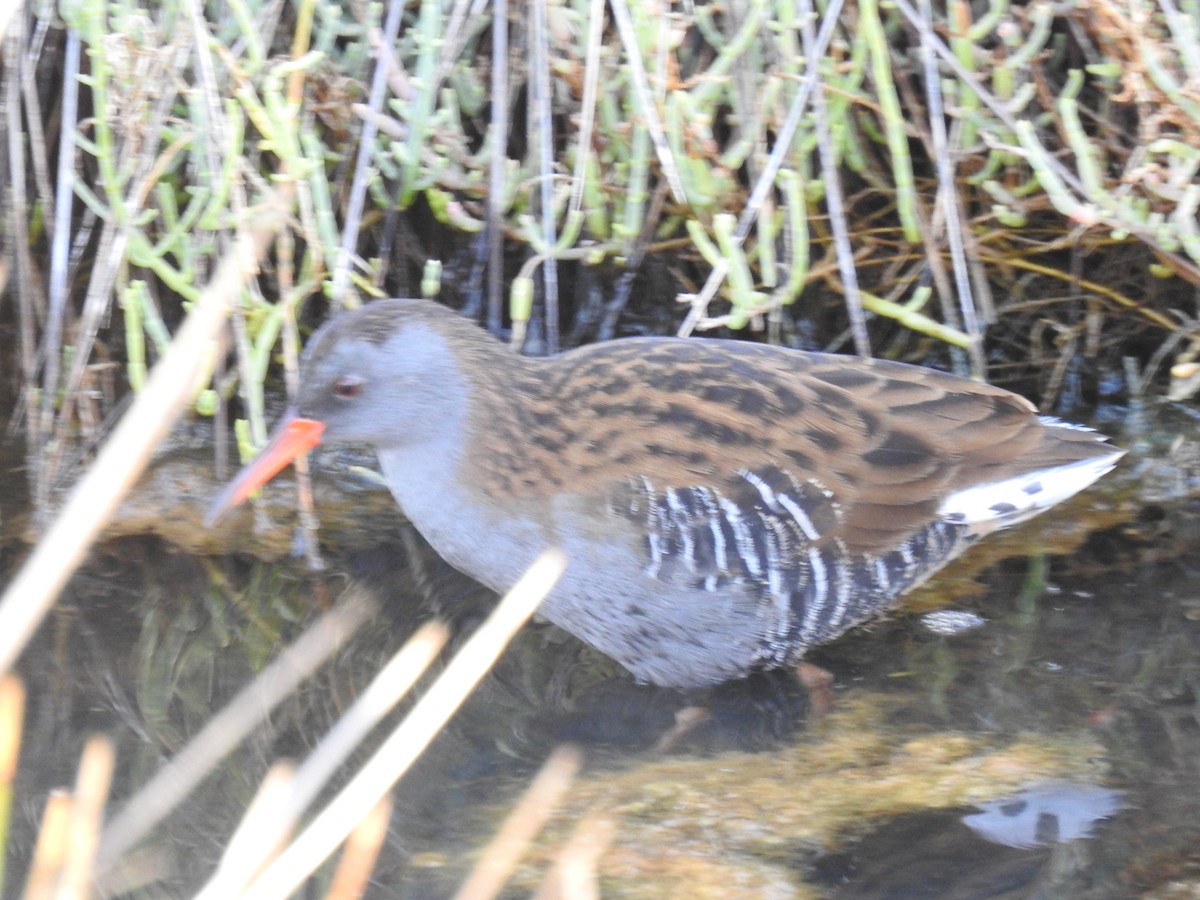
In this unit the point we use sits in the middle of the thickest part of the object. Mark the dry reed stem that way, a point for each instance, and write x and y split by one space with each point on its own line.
574 875
258 837
7 11
522 825
388 687
87 813
362 849
12 713
51 847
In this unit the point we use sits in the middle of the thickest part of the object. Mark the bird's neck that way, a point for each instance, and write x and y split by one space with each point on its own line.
468 411
450 482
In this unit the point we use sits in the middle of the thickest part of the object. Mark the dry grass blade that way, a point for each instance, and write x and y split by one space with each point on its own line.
59 263
541 137
392 683
587 106
12 710
363 169
522 825
7 11
409 740
51 848
31 594
573 876
646 105
258 835
362 849
87 811
833 197
498 135
947 197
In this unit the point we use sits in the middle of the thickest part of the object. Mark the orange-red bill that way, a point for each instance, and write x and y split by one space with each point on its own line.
293 437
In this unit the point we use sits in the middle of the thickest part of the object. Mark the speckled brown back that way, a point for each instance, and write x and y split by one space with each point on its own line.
889 441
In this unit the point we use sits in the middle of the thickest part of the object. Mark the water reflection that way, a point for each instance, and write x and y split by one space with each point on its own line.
1047 814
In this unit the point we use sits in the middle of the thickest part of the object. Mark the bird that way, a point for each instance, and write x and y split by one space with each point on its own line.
724 505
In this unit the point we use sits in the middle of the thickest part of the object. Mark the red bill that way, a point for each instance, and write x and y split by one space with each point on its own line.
292 438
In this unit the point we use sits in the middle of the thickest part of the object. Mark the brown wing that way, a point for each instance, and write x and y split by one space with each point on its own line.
934 434
883 442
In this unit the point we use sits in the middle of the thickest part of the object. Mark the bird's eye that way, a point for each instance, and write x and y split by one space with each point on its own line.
347 386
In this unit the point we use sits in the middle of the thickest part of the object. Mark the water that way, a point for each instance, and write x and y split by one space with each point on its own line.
1070 719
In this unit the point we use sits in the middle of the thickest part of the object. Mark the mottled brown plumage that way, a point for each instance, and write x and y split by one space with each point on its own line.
724 505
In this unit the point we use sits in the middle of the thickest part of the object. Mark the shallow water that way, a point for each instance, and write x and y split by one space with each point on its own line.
1070 720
